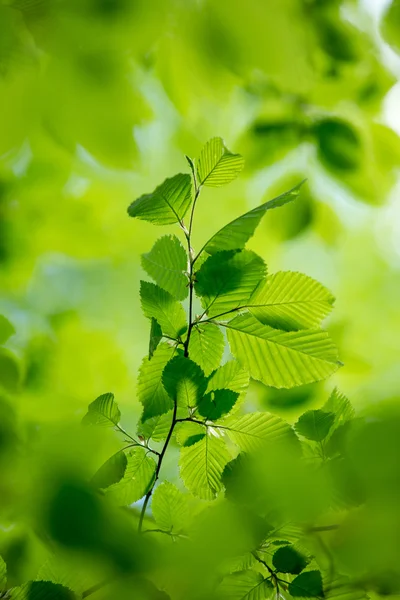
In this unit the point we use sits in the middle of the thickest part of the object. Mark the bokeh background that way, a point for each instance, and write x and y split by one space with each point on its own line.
99 102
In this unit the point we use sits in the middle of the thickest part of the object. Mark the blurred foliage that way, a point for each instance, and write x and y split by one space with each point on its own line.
99 99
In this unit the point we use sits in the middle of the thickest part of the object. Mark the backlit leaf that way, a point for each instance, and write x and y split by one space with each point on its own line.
315 424
217 403
184 381
155 336
245 585
206 346
111 471
170 507
217 165
307 585
167 204
103 411
160 305
155 428
232 376
253 429
288 560
150 390
137 480
166 263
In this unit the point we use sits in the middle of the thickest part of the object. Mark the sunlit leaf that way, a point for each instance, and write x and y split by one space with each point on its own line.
137 479
103 411
166 263
307 585
245 585
290 301
202 464
111 471
315 424
150 390
236 234
217 165
160 305
231 376
170 507
338 404
6 329
206 346
167 204
281 359
288 560
156 428
217 403
184 381
155 336
227 280
250 431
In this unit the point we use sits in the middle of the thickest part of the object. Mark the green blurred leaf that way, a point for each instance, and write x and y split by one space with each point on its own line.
248 585
288 560
160 305
201 466
236 234
103 411
339 144
3 574
226 280
150 390
216 165
391 25
290 301
307 585
9 370
338 404
42 590
155 336
170 507
217 403
168 203
281 359
6 329
206 346
250 431
167 263
315 424
137 480
184 381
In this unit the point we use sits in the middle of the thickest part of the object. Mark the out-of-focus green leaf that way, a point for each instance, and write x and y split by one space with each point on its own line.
206 346
248 584
315 424
339 145
42 590
103 411
184 381
338 404
151 392
166 263
288 560
307 585
226 281
170 507
250 431
137 479
160 305
290 301
391 25
6 329
155 336
9 370
281 359
3 574
202 464
217 403
111 471
236 234
217 165
167 204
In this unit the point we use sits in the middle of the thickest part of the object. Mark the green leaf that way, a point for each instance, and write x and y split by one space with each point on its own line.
206 346
3 574
42 590
338 404
155 336
339 145
6 329
202 464
217 403
290 301
288 560
167 204
10 374
137 480
281 359
315 424
150 390
232 376
391 25
103 411
160 305
227 280
167 263
184 381
170 507
111 471
245 585
253 429
216 165
156 428
307 585
188 432
237 233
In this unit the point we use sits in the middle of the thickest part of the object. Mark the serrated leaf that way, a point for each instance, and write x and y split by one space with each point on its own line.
232 376
167 263
155 336
41 590
217 403
281 359
184 381
307 585
338 404
288 560
156 428
202 464
103 411
245 585
226 281
150 390
111 471
170 507
188 431
253 429
72 575
167 204
206 346
137 480
315 424
160 305
3 574
216 165
342 588
6 329
237 233
290 301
